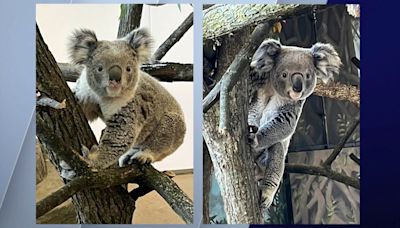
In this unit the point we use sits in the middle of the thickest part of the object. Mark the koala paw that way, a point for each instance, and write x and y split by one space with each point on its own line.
267 193
135 154
252 139
266 197
66 171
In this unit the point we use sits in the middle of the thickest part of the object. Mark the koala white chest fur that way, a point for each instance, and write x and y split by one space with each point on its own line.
144 123
281 78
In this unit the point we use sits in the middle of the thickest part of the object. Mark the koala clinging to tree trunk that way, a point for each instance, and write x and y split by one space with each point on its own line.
143 120
281 78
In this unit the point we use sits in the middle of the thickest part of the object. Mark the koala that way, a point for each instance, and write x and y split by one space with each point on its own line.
281 78
144 122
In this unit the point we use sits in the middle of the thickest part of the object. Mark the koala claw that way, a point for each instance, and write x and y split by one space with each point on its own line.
135 154
66 171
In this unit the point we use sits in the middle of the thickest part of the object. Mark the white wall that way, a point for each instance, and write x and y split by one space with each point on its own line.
57 21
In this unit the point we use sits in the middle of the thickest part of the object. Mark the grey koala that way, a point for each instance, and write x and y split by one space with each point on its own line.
281 78
143 120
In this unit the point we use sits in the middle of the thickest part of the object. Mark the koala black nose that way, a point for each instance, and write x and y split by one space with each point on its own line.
115 73
297 80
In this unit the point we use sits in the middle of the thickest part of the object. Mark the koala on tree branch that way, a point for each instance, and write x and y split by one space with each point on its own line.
143 120
281 78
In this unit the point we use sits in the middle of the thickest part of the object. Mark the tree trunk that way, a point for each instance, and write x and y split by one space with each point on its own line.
93 206
229 151
130 17
41 168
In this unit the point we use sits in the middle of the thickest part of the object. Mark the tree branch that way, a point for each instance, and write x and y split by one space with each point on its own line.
220 20
323 171
355 158
235 70
339 91
102 179
338 148
173 38
164 71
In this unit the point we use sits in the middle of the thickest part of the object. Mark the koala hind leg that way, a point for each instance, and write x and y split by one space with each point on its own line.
163 141
272 163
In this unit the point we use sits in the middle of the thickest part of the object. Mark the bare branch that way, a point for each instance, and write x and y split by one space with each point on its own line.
355 158
170 191
102 179
235 70
338 148
173 38
323 171
164 71
335 91
339 91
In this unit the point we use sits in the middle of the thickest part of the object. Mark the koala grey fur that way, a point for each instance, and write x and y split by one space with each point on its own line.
143 120
281 78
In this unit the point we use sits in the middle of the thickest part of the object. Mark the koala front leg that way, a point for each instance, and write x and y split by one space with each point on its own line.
255 109
166 137
279 128
273 162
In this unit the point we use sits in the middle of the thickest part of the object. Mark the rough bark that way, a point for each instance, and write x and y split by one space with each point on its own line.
41 168
207 172
220 20
229 152
163 71
129 18
110 205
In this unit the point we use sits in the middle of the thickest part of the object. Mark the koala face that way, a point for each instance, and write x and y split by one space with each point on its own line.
293 70
112 67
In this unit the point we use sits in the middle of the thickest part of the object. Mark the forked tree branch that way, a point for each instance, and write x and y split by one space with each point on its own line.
145 174
338 148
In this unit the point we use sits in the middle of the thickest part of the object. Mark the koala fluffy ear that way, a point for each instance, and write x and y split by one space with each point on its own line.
141 42
263 58
82 44
326 60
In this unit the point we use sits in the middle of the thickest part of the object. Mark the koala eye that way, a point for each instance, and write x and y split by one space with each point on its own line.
284 75
308 76
100 69
128 69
